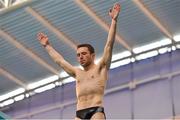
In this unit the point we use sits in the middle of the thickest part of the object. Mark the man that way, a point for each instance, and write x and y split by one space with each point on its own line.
91 80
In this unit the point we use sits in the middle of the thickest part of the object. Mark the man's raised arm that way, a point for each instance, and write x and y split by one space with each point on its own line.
107 55
55 55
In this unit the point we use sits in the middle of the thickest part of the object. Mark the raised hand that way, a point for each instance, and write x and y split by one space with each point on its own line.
43 39
114 12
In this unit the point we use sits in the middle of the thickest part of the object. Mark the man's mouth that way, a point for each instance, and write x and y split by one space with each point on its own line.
82 61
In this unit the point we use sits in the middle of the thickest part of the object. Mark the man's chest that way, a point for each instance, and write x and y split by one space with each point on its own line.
89 77
90 82
89 85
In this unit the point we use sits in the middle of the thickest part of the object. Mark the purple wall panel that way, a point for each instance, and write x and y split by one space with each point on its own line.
52 114
121 75
176 94
145 69
68 91
118 105
163 64
175 61
44 98
69 112
153 100
21 107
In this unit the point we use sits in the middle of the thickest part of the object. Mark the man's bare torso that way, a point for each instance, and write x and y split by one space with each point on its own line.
90 87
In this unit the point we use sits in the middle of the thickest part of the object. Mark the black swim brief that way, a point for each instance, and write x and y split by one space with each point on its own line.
87 113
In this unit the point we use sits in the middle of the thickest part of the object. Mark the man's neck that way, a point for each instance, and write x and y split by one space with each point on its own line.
89 67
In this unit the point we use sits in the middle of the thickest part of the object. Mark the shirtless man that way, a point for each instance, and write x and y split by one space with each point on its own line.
91 80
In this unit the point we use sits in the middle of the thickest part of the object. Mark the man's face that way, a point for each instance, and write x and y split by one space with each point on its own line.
84 56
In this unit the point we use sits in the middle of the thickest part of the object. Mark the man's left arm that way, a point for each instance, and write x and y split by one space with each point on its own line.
107 55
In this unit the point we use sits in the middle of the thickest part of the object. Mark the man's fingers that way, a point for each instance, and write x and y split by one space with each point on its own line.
38 35
41 35
117 7
110 10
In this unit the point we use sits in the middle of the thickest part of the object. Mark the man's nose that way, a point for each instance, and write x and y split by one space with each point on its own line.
81 57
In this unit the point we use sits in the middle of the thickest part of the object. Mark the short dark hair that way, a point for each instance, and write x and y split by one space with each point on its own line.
90 47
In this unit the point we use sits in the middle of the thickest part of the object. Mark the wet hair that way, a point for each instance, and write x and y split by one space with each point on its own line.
90 47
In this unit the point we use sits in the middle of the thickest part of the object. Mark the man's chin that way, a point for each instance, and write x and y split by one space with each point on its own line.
83 65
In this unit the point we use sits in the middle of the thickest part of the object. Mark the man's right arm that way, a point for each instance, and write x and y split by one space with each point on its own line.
58 58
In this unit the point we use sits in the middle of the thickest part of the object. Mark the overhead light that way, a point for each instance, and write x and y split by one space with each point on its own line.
178 46
164 42
120 63
121 55
169 49
173 48
27 95
58 83
163 50
11 94
64 74
147 55
44 88
43 82
8 102
117 56
1 105
133 59
68 80
31 93
20 97
152 45
177 38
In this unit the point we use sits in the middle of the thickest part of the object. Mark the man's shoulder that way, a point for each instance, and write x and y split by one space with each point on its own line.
78 69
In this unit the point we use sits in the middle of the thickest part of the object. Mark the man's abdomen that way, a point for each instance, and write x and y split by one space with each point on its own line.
90 100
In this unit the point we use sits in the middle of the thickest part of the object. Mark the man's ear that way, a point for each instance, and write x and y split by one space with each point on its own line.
93 55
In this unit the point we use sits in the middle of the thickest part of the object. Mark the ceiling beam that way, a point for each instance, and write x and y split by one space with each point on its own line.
28 52
99 21
47 24
6 2
153 18
9 3
13 78
20 4
3 3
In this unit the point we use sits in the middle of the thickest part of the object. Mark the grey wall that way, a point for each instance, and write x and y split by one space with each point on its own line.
156 99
